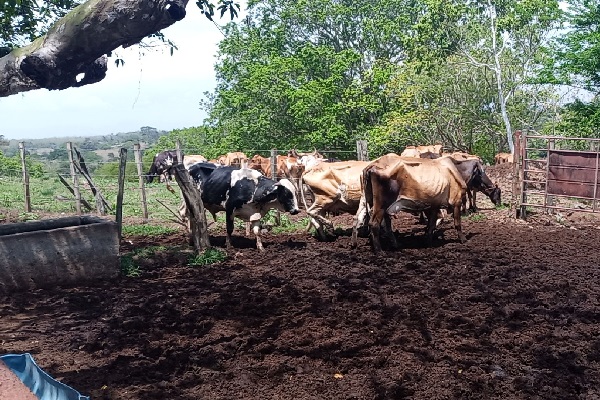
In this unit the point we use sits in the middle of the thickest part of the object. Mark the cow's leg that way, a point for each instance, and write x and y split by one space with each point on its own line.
473 200
457 225
431 224
256 231
389 232
360 221
375 226
315 212
229 223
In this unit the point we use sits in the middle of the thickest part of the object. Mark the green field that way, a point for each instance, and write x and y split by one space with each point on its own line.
49 196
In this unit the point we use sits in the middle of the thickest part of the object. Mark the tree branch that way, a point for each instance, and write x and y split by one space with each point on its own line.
79 42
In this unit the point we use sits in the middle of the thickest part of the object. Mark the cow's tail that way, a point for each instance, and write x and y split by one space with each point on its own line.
366 202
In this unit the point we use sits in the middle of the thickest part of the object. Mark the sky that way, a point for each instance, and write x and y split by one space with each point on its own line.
155 89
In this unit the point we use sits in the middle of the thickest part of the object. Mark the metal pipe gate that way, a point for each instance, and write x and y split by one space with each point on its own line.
557 173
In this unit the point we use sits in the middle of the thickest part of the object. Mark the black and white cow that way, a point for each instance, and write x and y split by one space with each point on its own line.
161 163
243 193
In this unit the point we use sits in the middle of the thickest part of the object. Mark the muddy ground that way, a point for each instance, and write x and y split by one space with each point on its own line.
513 313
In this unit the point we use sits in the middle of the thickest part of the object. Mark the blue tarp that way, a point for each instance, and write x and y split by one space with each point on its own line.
37 380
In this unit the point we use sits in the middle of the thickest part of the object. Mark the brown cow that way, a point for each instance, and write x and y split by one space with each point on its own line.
416 151
502 158
392 184
235 159
461 156
287 167
336 188
192 159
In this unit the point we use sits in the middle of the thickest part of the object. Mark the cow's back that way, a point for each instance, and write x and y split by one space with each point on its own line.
336 180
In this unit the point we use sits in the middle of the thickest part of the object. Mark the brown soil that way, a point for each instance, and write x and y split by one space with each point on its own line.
513 313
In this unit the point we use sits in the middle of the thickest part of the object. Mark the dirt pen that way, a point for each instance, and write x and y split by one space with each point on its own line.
511 314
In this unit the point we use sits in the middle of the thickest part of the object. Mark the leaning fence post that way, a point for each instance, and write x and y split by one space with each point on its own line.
25 177
137 152
119 211
75 178
193 200
362 152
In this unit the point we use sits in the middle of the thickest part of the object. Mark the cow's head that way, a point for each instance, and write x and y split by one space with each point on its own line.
286 196
494 193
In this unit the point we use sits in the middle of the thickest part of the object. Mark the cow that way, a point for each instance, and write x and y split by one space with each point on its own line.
160 164
472 172
287 167
235 159
392 184
308 160
415 151
502 158
461 156
429 154
243 193
336 188
189 160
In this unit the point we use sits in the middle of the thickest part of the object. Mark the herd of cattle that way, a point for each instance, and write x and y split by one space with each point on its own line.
422 180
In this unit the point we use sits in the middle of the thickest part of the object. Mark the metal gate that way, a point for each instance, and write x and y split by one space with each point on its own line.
557 173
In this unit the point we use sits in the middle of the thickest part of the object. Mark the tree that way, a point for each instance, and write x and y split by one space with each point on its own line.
505 26
576 53
304 74
74 50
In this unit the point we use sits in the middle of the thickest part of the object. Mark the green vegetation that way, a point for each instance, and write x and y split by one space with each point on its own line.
147 230
477 217
208 257
130 262
128 266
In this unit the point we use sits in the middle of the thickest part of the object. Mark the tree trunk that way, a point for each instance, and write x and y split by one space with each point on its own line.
79 43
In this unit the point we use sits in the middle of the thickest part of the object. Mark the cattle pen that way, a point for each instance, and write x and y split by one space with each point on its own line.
512 313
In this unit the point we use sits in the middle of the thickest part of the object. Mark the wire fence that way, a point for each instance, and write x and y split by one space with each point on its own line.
64 190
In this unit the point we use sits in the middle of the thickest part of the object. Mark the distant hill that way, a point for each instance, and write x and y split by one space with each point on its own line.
101 144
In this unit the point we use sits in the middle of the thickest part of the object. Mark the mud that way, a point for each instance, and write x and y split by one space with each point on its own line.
513 313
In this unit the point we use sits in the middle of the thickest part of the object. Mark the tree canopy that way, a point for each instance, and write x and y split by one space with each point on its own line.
325 73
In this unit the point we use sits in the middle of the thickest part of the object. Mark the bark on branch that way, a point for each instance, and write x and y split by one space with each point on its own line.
79 43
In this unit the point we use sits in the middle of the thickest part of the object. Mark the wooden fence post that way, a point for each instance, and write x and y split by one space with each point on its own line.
362 152
137 152
179 152
549 200
515 181
119 211
25 177
74 177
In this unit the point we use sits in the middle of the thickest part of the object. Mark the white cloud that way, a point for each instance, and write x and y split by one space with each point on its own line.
154 89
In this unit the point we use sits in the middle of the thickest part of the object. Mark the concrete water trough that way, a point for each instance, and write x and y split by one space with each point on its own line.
63 251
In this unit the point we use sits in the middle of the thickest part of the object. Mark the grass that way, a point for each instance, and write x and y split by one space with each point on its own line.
208 257
147 230
477 217
49 195
502 207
